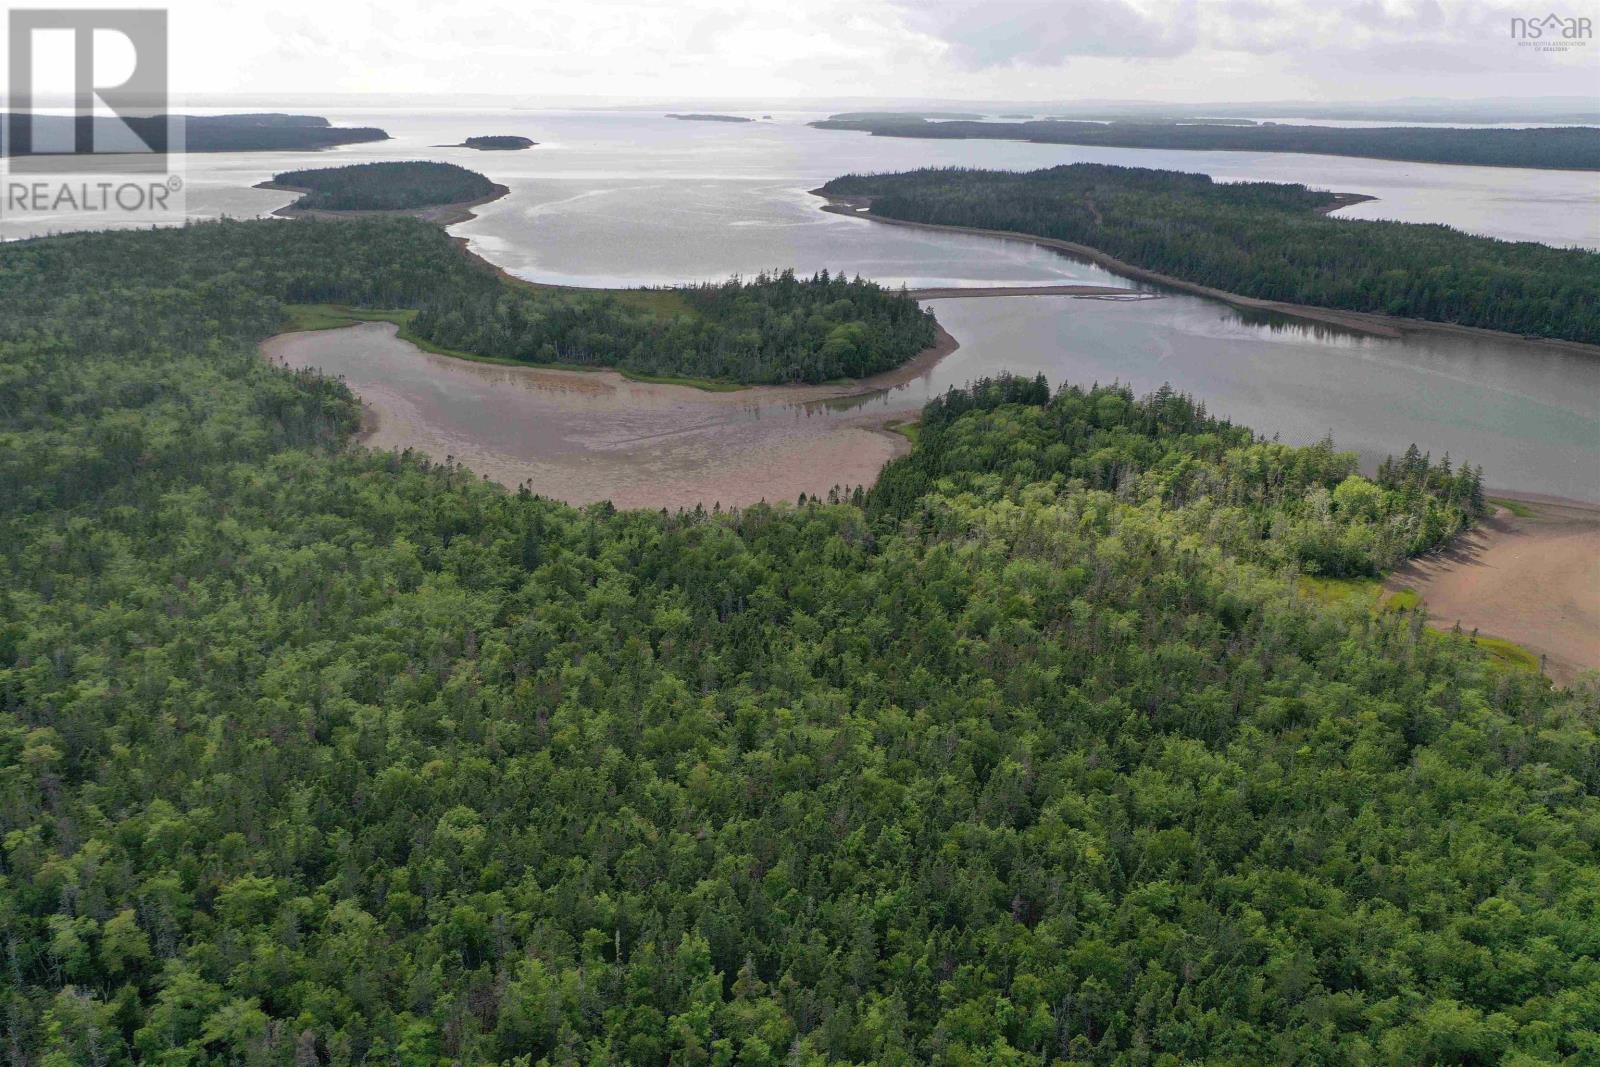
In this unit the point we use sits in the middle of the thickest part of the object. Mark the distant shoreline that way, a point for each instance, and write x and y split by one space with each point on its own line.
709 118
1492 146
1362 322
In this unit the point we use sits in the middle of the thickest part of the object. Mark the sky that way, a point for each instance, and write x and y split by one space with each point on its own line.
1037 50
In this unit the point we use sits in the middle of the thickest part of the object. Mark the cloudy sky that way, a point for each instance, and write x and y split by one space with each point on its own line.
977 49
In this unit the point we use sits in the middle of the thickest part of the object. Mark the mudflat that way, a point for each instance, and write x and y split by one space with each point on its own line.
583 436
1531 579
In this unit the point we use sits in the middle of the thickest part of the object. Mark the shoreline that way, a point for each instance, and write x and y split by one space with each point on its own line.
439 214
1368 323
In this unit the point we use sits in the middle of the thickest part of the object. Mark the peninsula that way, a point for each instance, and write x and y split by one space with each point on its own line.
264 132
1258 245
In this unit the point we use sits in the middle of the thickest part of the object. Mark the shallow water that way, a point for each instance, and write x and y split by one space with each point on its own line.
614 198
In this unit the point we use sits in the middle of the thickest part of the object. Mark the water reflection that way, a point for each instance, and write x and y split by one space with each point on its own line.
1528 413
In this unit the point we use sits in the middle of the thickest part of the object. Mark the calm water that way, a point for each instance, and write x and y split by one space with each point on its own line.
612 198
1530 417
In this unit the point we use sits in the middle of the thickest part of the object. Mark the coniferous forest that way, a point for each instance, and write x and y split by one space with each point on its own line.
498 143
1034 754
773 328
388 186
1263 240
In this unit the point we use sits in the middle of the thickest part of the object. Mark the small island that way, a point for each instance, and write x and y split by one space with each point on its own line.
495 143
710 118
436 192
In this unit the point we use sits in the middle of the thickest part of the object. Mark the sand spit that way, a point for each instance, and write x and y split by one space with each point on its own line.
1533 580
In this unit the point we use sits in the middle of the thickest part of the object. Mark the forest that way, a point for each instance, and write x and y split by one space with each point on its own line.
1034 754
773 328
389 186
498 143
1261 239
1307 508
1545 148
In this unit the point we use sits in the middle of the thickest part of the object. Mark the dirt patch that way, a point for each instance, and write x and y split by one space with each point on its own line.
1534 580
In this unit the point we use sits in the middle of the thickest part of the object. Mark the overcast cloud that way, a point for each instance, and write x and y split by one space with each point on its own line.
992 49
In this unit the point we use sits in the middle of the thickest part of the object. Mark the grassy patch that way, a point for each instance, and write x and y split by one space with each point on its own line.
1507 653
908 429
1364 591
1369 592
710 385
657 301
1403 600
1340 590
1516 507
334 316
